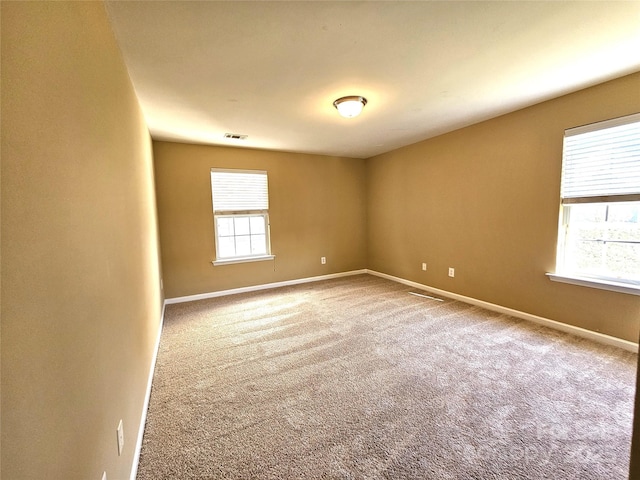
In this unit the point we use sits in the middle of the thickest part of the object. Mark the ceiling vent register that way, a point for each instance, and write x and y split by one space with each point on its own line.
235 136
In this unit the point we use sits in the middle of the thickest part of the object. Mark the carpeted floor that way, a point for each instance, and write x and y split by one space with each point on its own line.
355 378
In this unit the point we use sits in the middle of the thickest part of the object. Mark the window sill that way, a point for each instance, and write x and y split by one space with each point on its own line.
596 283
230 261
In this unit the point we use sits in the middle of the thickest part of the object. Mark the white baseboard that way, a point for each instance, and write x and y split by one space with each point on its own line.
145 407
233 291
580 332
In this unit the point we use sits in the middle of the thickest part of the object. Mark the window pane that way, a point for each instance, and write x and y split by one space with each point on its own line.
624 212
241 235
586 257
588 213
243 245
624 260
603 240
623 222
257 224
226 247
258 244
225 226
585 233
242 225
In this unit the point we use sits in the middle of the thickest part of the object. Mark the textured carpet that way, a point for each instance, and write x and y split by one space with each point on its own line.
355 378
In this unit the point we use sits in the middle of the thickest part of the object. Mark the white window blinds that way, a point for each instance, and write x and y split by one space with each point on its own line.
601 161
239 190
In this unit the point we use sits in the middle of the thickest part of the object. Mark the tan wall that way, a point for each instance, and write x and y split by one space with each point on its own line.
80 294
316 208
485 200
81 301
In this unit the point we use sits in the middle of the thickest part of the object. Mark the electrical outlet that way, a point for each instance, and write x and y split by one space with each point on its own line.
120 432
424 267
323 260
452 272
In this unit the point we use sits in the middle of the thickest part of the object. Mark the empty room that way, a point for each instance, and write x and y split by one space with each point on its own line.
317 239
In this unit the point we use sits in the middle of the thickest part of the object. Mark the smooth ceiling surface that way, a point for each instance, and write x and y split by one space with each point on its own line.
271 70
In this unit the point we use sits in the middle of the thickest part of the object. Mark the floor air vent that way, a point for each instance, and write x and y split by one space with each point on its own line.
418 294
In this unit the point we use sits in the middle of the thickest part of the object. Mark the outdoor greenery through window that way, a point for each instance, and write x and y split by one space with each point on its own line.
603 240
241 215
599 235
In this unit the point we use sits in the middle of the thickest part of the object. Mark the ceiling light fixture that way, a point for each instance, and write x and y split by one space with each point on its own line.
350 106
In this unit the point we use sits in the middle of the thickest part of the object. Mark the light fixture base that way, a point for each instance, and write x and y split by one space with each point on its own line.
350 106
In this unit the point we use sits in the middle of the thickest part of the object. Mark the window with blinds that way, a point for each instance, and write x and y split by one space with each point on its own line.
601 162
241 215
599 234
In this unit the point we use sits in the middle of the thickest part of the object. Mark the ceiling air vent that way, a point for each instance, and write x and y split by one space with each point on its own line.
235 136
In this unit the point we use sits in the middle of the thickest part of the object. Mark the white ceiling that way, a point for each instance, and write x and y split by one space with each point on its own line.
271 70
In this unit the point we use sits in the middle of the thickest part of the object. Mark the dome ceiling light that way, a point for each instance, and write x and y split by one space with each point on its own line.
350 106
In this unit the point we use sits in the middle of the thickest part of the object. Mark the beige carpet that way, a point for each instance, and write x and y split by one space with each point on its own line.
355 378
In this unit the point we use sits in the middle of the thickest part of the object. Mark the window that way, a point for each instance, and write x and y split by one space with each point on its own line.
599 234
240 215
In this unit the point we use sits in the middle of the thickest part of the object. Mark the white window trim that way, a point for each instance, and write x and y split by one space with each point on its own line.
614 122
267 226
229 261
598 283
603 283
231 213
